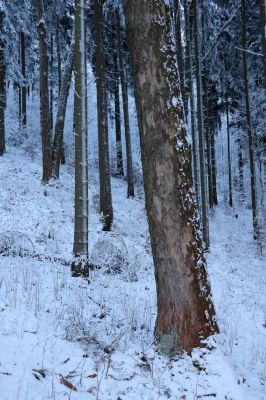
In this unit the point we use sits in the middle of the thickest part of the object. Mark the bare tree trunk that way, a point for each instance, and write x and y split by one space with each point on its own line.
185 310
213 170
24 87
130 178
240 174
119 153
59 62
263 34
59 74
2 89
187 55
51 84
229 156
106 207
18 86
80 247
61 111
192 103
179 47
44 95
204 210
249 124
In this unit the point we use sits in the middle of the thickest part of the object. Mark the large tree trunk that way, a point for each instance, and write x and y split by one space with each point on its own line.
24 87
61 112
106 207
130 179
44 94
204 210
80 247
2 89
185 310
249 123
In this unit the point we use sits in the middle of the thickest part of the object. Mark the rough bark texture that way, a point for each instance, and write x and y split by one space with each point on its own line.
106 207
185 310
44 94
130 179
61 112
249 123
24 87
80 247
2 89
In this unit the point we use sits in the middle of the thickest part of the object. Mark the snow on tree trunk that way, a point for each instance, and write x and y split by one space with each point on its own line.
185 312
80 247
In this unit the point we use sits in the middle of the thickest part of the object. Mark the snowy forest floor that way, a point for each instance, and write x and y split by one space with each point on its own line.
67 338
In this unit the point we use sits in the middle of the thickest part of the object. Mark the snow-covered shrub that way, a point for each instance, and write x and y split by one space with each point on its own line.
15 243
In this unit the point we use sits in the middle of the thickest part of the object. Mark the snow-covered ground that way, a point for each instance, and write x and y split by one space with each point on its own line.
69 338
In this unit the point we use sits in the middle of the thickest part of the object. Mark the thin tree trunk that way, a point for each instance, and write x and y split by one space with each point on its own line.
119 153
18 84
106 207
24 87
130 178
206 104
229 156
213 170
51 84
185 310
61 111
2 88
80 247
263 35
241 174
204 211
59 75
187 56
249 124
44 94
179 47
59 62
192 105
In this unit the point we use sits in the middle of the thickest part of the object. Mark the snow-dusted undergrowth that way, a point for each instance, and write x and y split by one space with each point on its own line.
57 331
67 338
